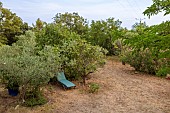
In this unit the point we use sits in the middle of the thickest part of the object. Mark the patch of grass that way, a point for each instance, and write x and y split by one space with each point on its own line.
94 87
162 72
33 99
113 58
81 91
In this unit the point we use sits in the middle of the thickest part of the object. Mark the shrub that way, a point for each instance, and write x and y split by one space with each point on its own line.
81 58
141 61
105 33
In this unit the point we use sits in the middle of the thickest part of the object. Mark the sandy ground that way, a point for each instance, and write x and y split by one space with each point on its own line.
122 90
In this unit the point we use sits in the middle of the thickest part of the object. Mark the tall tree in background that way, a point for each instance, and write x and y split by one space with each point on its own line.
139 27
39 24
52 34
73 22
10 26
158 6
104 33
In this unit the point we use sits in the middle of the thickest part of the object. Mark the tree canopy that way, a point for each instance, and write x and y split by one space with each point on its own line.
73 22
158 6
10 26
104 33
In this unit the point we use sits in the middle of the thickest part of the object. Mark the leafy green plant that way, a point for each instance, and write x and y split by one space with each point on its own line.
12 85
141 61
93 87
52 34
72 22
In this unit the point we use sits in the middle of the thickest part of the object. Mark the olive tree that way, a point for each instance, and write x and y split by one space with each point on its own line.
23 64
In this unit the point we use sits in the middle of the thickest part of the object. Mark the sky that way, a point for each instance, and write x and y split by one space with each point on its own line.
127 11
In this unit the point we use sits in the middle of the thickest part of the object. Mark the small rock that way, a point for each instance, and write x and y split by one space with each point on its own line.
168 76
136 72
16 106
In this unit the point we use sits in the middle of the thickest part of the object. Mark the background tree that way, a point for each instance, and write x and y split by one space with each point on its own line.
158 6
52 34
39 24
73 22
25 27
139 27
105 33
10 26
149 51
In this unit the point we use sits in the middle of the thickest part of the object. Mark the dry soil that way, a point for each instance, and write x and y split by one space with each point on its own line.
122 90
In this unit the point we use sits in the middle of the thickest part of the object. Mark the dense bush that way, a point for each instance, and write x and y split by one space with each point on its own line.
73 22
141 61
150 50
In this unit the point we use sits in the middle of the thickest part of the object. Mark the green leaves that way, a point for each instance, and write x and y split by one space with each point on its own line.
39 25
158 6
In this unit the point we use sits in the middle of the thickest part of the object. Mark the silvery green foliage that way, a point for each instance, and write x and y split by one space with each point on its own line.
24 64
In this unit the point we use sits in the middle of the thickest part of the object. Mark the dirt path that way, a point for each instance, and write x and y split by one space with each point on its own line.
122 90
